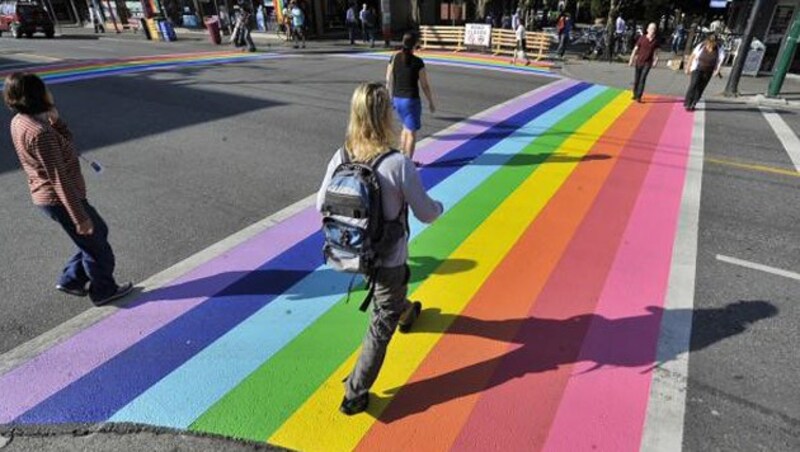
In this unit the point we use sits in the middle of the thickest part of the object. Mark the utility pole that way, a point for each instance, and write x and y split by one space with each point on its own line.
785 60
732 88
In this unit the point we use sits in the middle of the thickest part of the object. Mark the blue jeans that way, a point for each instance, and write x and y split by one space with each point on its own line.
94 262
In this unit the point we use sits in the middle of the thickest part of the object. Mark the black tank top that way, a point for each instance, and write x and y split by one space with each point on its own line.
405 72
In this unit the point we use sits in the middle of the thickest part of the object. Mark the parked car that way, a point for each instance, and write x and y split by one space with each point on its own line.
24 17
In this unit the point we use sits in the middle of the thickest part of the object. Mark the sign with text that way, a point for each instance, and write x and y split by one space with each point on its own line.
478 35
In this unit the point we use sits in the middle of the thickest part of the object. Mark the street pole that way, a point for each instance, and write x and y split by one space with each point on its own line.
785 60
732 88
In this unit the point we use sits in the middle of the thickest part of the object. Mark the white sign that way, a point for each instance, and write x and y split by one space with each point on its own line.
755 56
478 35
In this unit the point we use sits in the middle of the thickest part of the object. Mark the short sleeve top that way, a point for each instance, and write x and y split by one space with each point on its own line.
647 51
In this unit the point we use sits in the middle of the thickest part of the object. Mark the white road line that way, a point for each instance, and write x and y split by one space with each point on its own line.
663 429
37 345
759 267
785 134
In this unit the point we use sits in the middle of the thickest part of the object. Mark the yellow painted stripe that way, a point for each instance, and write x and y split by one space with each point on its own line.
753 166
317 425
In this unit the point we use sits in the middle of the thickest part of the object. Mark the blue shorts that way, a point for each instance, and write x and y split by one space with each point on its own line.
410 112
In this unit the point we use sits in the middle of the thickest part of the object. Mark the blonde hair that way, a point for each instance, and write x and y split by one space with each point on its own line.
711 43
371 128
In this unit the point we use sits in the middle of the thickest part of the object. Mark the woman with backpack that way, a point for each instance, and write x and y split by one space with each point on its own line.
404 76
370 139
704 63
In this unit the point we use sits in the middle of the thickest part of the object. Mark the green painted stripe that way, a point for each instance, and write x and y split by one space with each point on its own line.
262 402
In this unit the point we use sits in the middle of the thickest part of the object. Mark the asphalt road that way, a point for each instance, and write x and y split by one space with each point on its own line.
191 156
194 155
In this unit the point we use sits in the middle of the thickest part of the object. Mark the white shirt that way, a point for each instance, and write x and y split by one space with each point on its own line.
520 32
620 25
696 55
514 21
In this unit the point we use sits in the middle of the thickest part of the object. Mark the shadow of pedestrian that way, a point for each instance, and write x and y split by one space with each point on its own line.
545 344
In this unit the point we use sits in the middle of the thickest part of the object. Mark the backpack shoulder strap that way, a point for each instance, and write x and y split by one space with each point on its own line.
344 156
379 159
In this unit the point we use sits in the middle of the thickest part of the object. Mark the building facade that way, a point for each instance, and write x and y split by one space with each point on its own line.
772 28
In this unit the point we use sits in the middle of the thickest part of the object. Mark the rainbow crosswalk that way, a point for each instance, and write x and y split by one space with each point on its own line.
90 69
543 285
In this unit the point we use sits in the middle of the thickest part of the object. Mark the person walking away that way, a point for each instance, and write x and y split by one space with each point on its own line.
369 140
644 57
46 152
404 75
704 62
369 25
351 22
362 16
515 18
619 38
521 44
298 25
564 28
678 38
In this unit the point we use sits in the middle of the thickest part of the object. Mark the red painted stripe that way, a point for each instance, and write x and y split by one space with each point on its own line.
524 393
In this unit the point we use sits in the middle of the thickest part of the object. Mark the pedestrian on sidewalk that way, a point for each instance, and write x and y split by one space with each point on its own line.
97 20
704 63
298 25
369 25
644 57
370 138
242 30
351 22
362 16
47 154
404 76
521 44
564 29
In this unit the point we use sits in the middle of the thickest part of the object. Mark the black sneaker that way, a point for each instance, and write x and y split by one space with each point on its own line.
122 291
354 406
409 317
73 292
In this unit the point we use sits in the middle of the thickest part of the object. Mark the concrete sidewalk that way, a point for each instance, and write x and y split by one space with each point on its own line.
664 80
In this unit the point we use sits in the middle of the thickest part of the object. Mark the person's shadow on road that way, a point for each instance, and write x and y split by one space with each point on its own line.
546 344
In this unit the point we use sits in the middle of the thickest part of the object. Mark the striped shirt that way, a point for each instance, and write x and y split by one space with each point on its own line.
50 161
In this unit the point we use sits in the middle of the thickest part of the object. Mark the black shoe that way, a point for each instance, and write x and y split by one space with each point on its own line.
122 291
354 406
409 317
73 292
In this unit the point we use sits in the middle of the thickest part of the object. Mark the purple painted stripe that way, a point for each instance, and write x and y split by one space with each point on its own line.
59 366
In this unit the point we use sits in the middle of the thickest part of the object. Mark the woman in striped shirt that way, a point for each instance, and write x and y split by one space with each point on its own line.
47 155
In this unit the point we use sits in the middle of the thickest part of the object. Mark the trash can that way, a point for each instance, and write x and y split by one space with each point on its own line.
212 25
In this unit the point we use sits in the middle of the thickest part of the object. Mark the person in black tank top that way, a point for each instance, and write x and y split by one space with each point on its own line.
704 63
404 76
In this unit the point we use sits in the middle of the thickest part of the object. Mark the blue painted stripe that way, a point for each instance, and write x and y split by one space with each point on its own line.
96 396
184 395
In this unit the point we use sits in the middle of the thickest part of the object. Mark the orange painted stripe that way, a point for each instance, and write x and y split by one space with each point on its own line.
429 412
528 384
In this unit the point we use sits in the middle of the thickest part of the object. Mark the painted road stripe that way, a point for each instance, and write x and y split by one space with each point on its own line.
785 134
464 64
606 398
487 246
430 410
753 166
192 330
536 369
759 267
55 368
257 408
663 427
186 402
